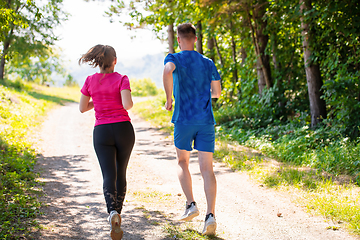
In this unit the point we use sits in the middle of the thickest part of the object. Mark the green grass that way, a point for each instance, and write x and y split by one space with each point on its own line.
22 108
185 231
321 175
151 196
154 111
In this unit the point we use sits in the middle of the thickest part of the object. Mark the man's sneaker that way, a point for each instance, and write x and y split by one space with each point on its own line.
116 232
191 211
210 225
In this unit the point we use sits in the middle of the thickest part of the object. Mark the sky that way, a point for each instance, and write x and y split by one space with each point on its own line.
88 26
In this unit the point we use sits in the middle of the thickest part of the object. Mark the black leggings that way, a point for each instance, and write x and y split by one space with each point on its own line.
113 144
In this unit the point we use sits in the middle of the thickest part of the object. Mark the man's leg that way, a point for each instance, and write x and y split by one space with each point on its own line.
207 172
184 174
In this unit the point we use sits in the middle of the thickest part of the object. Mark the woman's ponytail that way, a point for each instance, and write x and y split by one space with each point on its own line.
99 55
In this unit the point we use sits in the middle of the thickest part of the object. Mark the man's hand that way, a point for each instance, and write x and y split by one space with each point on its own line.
168 105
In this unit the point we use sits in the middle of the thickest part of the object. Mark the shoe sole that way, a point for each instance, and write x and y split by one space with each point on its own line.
210 229
116 232
189 217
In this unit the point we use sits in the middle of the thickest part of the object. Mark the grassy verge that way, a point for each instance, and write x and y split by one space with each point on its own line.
334 197
324 179
155 111
22 107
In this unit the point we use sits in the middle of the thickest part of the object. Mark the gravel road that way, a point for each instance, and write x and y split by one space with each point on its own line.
75 207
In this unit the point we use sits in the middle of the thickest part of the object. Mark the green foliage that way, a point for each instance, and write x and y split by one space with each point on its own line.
322 149
18 202
28 31
70 81
143 87
338 51
19 114
36 69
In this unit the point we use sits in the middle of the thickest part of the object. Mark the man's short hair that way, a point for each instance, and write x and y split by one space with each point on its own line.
186 30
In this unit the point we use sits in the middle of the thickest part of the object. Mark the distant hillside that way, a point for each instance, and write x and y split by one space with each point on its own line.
149 66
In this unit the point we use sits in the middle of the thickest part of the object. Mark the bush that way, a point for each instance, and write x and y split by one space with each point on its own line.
143 87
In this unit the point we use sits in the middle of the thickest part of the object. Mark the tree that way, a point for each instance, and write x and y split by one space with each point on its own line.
37 69
258 26
171 38
199 42
28 29
313 76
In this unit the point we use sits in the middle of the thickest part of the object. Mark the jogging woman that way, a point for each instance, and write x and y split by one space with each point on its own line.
109 93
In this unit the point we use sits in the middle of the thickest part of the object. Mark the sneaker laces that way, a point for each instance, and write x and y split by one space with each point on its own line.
191 204
209 215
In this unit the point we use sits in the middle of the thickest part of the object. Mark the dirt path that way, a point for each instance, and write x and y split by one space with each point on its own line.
76 208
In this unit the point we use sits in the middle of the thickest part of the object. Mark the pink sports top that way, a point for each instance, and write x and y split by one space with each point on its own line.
105 91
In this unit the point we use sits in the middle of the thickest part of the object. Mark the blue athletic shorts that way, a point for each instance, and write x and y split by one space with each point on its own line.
203 137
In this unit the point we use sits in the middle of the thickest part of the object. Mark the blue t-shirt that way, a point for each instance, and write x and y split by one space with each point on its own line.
192 87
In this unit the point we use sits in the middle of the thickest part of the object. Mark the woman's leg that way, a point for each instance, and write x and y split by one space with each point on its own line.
124 139
105 149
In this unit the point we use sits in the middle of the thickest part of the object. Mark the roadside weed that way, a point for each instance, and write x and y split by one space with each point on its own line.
151 196
185 231
22 107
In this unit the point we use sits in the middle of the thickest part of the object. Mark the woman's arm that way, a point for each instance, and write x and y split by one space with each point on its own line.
126 99
85 103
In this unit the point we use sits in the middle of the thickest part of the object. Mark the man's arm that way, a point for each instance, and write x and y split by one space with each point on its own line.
215 89
168 84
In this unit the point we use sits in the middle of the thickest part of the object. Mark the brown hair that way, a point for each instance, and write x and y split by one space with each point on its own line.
100 55
186 30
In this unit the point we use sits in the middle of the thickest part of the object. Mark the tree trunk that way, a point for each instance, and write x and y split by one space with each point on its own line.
277 64
218 53
210 46
199 42
220 58
171 38
260 41
243 56
278 71
2 61
313 76
233 48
